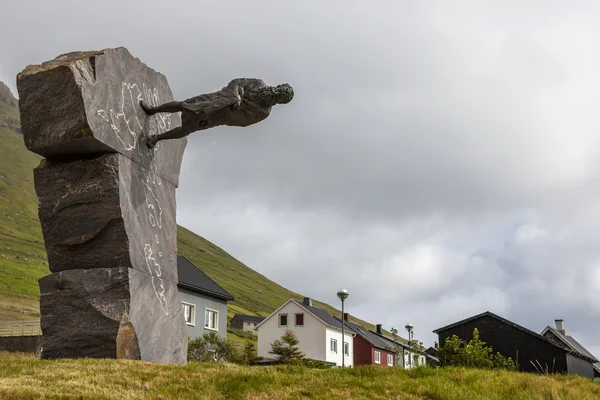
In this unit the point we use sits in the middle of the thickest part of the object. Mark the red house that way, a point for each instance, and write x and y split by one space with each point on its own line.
369 349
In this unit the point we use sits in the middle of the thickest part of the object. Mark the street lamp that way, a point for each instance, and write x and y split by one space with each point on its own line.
409 328
343 295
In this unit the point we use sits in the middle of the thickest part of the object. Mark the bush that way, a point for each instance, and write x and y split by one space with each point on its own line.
473 354
212 347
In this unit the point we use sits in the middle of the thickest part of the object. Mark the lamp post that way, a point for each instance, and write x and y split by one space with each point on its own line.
409 328
343 295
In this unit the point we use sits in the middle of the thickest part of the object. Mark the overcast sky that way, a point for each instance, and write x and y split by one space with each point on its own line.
439 159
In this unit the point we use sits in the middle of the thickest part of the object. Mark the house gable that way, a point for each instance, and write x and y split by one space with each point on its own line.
311 334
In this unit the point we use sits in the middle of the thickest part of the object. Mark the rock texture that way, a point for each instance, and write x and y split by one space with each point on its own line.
107 207
88 102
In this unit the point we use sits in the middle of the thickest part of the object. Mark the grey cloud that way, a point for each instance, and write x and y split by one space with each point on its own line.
439 159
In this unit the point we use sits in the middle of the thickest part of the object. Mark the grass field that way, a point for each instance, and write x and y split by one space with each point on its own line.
24 377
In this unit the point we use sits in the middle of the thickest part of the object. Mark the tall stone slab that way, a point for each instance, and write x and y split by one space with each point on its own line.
88 103
107 207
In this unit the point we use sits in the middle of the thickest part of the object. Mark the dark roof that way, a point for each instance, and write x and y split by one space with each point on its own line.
572 343
249 318
191 278
516 326
321 314
369 336
389 340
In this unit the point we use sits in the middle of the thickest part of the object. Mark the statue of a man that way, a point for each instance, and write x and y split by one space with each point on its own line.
241 103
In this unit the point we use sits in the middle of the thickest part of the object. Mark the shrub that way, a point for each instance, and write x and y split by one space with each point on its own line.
287 347
473 354
212 347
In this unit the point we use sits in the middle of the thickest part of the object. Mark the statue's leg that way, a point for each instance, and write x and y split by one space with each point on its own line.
175 133
172 107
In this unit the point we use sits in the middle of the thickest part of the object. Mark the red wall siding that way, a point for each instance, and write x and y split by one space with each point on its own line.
363 351
382 357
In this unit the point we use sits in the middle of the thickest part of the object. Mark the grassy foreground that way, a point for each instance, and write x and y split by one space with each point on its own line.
24 377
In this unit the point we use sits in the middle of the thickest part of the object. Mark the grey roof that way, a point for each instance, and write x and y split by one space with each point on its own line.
573 344
516 326
250 318
191 278
369 336
391 341
321 314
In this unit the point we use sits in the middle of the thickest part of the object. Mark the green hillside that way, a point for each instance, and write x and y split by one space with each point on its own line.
23 257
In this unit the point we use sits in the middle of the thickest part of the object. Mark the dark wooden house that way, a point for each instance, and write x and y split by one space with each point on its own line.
532 351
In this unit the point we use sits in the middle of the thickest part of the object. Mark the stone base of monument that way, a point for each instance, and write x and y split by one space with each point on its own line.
111 313
106 206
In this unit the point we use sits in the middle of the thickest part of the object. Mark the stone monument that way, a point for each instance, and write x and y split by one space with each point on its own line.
106 206
106 194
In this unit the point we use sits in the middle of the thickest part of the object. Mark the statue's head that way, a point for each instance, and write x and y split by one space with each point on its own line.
281 94
284 93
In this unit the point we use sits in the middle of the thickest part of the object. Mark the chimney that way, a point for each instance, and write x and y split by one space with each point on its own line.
308 301
346 317
560 326
379 329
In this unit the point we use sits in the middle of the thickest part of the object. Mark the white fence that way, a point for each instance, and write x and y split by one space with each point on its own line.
30 327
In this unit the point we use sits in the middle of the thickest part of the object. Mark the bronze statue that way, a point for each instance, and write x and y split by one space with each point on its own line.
241 103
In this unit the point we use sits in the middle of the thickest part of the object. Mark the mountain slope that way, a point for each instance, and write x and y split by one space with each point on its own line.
23 257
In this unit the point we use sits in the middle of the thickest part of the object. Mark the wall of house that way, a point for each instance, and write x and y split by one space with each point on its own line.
311 335
512 342
330 356
236 323
202 301
383 356
363 351
249 326
579 366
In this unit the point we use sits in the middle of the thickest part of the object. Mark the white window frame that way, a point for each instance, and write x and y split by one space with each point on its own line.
287 322
390 360
333 343
206 320
377 357
302 319
346 348
192 313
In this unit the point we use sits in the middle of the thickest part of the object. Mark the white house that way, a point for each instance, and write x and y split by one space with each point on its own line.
319 333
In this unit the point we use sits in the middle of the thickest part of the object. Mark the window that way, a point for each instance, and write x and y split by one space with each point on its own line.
282 319
211 319
346 348
333 345
299 319
377 357
189 313
390 360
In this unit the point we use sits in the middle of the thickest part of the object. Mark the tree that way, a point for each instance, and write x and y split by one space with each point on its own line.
249 355
396 348
287 347
472 354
